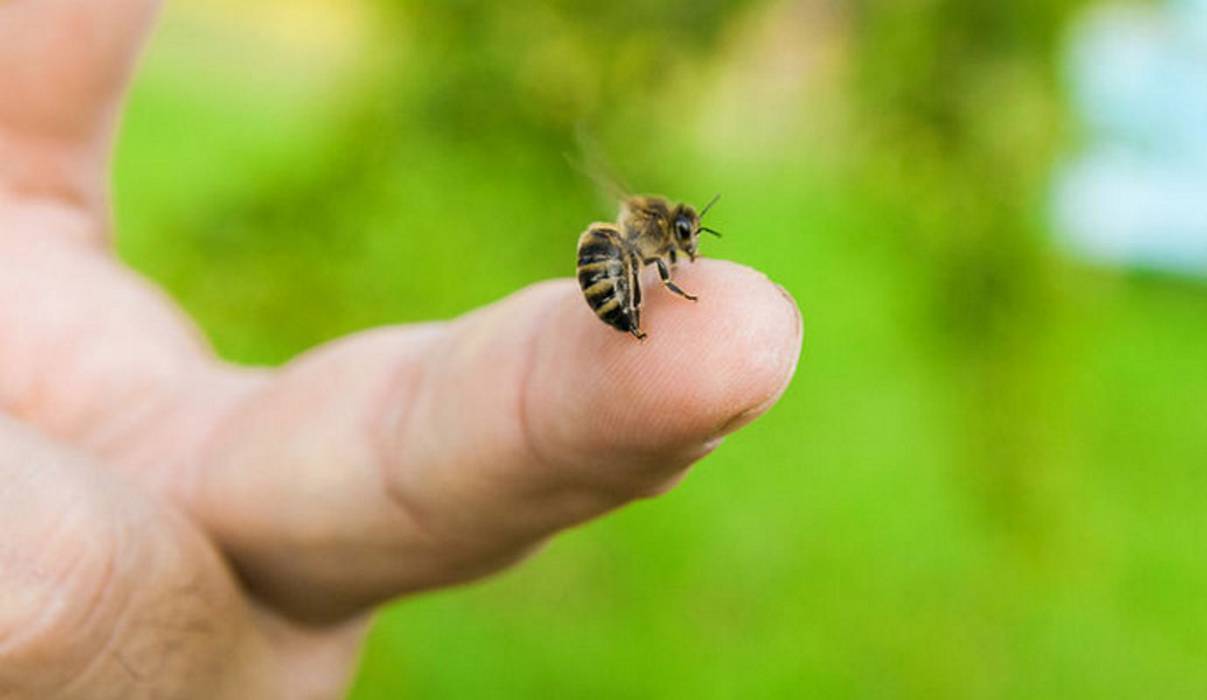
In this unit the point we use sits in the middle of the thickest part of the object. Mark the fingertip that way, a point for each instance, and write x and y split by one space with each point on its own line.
729 357
706 368
763 339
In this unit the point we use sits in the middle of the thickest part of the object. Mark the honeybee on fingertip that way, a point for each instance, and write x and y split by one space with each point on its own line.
650 230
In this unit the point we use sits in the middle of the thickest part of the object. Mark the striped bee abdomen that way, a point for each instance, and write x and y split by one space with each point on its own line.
607 273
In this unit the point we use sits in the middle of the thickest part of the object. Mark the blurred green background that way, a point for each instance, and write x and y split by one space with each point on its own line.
987 479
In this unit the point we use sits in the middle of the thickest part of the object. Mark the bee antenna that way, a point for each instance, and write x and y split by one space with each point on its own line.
709 205
712 231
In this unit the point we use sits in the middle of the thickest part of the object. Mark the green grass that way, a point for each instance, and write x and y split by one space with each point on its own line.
865 539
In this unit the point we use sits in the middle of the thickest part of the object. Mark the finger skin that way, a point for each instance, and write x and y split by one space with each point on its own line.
65 62
105 595
405 459
63 67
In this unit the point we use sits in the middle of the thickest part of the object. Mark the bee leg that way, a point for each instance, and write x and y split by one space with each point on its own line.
635 285
665 273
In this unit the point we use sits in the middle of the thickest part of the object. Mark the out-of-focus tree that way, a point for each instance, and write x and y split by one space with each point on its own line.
543 68
960 105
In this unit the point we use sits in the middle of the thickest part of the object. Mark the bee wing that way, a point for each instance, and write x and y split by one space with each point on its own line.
590 161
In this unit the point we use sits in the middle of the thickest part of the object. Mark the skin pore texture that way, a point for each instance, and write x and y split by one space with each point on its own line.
176 526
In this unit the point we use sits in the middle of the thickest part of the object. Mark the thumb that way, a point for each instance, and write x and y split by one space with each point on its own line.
409 458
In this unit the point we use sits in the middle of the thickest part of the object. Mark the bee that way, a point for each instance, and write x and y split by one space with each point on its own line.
649 231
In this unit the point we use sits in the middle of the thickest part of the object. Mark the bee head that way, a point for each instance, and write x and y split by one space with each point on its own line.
685 224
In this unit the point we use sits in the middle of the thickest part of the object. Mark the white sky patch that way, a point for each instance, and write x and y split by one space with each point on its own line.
1136 193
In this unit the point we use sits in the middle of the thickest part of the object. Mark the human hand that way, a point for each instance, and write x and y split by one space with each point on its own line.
175 526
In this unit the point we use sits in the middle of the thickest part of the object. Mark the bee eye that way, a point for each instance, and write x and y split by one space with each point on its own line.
684 228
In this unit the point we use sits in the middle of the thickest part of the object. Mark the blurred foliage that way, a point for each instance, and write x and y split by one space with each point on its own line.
491 70
960 98
983 482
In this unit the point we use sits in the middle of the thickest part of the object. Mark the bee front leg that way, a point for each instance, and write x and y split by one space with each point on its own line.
665 273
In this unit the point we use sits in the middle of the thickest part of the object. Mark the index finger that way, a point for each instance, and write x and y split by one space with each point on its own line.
63 67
